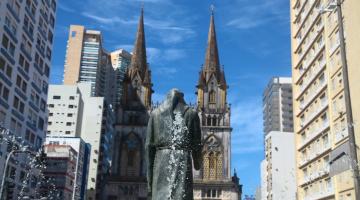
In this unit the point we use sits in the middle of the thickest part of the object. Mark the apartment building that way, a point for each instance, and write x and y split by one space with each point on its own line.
60 171
120 60
74 112
26 34
87 61
81 166
277 169
323 72
277 105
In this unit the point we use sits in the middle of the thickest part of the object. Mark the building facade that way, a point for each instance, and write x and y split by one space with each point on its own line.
277 105
60 171
322 118
26 33
87 61
214 179
278 167
81 163
74 112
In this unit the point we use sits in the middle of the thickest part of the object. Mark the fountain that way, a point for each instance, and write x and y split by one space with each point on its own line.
33 160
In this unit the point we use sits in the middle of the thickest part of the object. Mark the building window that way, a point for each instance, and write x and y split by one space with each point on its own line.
130 154
73 33
9 46
56 97
18 104
212 97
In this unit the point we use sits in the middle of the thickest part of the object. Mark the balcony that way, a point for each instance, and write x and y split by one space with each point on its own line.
314 134
321 194
310 118
312 38
315 153
334 47
316 175
308 62
312 96
317 69
303 12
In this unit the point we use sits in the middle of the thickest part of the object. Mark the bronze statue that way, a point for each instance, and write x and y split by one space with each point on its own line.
173 138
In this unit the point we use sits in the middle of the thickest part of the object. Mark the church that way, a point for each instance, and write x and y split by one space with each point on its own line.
127 179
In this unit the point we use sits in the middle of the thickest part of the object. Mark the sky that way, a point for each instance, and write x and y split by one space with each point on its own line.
254 45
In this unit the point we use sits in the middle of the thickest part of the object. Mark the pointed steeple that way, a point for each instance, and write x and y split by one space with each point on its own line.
212 62
138 59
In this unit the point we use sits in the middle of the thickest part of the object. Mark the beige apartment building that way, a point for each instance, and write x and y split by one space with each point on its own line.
322 119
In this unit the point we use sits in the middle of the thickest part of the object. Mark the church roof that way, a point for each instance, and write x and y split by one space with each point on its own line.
212 61
138 59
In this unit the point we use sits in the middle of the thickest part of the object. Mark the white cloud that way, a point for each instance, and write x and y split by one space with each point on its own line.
256 13
107 20
65 7
161 19
156 55
247 123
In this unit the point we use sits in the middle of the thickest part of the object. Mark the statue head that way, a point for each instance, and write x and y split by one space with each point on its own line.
174 97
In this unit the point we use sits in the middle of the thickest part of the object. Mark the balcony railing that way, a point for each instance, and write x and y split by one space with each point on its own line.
315 153
312 95
312 38
314 134
318 174
309 118
321 194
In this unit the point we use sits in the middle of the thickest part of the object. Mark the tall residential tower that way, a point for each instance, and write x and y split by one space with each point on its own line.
277 105
26 34
325 72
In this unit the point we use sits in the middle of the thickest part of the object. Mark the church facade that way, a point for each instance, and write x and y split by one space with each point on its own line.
214 180
127 179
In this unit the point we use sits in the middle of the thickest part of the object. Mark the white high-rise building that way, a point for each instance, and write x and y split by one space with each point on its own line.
277 169
26 34
74 112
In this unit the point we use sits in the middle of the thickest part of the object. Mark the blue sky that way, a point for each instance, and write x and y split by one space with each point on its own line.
254 45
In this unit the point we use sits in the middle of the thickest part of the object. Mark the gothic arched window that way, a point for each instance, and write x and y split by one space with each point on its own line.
213 160
212 96
130 156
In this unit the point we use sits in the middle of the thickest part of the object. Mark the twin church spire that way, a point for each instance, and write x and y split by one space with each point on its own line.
211 68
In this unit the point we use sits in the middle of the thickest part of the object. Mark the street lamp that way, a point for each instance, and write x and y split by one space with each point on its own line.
12 152
336 5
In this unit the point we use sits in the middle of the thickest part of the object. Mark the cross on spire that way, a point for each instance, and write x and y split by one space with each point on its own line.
212 8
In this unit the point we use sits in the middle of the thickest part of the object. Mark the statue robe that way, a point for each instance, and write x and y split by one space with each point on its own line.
173 138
